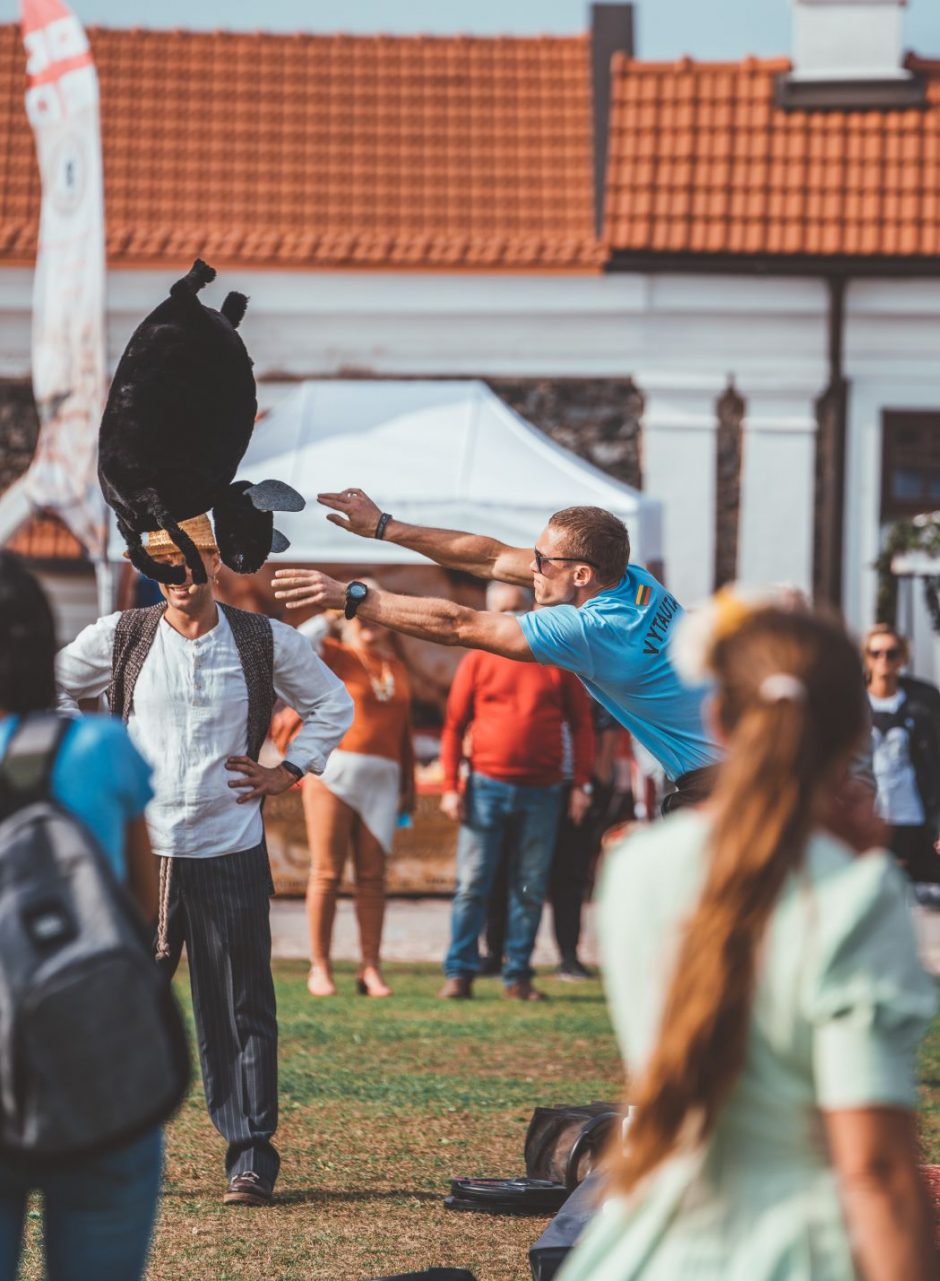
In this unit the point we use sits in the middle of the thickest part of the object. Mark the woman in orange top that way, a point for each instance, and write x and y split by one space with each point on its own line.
355 803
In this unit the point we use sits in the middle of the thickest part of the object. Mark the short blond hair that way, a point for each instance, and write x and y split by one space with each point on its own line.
885 629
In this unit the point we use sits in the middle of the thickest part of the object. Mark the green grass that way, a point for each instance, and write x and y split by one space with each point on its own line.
382 1102
929 1073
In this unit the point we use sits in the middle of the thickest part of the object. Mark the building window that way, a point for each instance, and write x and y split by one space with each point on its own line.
910 463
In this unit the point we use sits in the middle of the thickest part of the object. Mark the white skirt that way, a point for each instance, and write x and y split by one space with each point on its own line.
370 786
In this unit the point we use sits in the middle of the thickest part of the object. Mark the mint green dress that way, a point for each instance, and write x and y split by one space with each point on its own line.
840 1006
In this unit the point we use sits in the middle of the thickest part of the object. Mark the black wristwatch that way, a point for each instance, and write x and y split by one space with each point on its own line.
293 769
355 595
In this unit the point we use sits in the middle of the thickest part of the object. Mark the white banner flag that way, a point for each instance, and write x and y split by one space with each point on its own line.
68 292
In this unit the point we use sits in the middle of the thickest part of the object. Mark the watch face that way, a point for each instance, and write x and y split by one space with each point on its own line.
357 591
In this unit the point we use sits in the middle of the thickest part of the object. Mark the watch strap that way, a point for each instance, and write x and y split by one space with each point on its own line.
354 601
293 769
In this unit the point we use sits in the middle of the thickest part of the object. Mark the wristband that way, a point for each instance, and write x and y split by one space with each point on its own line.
293 769
382 525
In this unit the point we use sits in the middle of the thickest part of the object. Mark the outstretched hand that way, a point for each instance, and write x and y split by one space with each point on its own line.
304 587
352 510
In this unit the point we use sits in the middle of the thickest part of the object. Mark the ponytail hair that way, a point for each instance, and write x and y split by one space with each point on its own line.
27 640
790 703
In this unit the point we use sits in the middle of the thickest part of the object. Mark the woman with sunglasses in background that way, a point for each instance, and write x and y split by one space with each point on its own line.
906 747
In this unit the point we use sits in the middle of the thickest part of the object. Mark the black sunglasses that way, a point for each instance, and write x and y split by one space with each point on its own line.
541 559
892 654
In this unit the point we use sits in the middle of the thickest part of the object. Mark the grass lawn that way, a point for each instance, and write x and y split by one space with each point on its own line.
382 1102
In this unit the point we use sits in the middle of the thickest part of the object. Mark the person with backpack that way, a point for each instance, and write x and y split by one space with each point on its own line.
196 682
76 790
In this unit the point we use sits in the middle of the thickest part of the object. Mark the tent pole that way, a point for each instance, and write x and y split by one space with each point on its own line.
104 577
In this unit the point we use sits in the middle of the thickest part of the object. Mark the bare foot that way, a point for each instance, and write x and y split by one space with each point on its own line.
371 983
320 981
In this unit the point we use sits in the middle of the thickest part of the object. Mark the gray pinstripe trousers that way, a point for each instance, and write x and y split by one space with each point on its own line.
219 908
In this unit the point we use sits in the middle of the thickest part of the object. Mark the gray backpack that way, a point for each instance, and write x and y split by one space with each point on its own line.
92 1047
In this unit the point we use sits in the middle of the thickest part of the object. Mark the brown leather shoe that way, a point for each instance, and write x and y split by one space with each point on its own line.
523 991
248 1189
458 989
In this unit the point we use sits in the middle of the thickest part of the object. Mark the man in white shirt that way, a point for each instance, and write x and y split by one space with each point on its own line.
196 683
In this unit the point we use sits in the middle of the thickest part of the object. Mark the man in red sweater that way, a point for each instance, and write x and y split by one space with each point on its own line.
515 713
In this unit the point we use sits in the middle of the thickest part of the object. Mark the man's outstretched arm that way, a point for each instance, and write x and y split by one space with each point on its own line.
473 553
426 617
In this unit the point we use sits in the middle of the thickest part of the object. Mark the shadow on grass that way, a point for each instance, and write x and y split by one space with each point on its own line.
308 1196
298 1196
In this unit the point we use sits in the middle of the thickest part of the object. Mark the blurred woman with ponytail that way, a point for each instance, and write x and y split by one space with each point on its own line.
767 995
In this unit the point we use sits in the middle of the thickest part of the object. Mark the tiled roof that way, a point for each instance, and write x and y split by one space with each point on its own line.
703 162
327 151
44 537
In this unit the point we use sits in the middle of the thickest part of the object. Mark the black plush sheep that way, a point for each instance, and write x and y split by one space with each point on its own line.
178 420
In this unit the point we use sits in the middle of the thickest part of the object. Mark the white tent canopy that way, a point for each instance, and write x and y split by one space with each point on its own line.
443 453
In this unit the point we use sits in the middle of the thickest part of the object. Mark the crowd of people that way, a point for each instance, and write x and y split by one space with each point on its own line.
770 1046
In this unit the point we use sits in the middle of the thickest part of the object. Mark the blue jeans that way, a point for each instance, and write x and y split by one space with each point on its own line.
97 1215
526 818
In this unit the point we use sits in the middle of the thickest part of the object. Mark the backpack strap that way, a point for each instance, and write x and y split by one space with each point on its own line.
26 768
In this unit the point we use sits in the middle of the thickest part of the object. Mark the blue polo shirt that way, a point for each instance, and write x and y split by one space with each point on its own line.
618 644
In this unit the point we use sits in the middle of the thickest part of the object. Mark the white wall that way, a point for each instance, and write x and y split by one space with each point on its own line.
680 336
892 343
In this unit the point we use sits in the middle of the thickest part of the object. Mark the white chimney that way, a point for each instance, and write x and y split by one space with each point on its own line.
847 40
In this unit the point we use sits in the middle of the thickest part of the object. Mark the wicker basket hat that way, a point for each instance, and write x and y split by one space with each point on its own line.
199 528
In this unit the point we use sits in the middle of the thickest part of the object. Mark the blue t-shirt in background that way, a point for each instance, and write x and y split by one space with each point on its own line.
100 777
618 644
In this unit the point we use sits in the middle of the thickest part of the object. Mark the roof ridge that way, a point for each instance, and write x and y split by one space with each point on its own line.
423 37
750 62
917 62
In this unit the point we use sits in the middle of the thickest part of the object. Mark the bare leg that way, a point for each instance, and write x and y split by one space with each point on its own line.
329 827
369 863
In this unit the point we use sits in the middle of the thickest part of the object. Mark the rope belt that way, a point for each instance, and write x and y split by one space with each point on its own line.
162 951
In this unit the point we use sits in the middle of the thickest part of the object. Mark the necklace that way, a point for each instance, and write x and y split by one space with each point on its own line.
383 685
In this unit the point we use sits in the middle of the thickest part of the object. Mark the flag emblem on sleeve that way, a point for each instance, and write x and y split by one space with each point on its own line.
643 594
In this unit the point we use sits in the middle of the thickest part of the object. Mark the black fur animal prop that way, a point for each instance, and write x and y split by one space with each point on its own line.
178 420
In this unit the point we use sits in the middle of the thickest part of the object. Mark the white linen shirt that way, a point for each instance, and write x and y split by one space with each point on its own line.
190 714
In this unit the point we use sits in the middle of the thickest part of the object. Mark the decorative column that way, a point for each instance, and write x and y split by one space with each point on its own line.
778 486
680 424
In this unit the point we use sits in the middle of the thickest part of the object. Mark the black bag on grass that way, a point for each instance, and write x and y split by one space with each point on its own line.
563 1143
506 1196
432 1274
92 1047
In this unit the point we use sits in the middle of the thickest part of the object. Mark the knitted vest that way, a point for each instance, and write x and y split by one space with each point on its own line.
254 640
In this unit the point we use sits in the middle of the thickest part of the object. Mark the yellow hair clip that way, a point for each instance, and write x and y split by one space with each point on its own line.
730 613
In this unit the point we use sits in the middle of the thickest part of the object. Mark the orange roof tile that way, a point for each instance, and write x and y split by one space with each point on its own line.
327 151
44 537
732 173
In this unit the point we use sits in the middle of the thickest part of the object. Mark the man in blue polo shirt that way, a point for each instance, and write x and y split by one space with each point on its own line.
608 622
